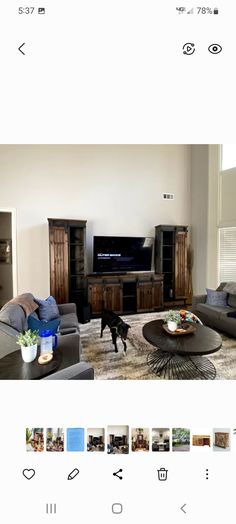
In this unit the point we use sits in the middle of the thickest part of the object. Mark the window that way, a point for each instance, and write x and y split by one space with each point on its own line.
227 262
228 156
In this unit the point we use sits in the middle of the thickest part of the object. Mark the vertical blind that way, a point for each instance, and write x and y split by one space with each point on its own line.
227 262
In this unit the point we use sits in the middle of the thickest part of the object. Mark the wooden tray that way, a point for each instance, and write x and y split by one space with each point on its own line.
189 328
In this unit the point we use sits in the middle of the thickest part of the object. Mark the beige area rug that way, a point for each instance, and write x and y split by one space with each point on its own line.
107 364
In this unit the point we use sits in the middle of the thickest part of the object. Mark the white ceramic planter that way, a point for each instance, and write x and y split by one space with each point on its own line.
172 326
29 353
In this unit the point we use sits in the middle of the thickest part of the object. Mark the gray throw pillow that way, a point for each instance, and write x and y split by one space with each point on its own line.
230 288
14 316
48 309
216 298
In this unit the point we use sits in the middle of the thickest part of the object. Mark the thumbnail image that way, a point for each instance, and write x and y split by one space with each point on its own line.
34 439
140 439
221 439
75 439
201 439
95 439
180 439
55 439
117 440
160 439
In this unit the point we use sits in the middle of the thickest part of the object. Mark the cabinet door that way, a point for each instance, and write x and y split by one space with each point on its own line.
180 264
145 296
95 297
112 294
58 239
158 295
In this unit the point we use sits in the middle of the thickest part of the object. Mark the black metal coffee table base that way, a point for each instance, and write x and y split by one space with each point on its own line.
180 367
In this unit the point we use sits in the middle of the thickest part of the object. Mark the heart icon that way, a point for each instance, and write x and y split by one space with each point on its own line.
28 473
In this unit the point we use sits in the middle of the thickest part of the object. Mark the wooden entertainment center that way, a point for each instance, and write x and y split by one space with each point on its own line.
127 293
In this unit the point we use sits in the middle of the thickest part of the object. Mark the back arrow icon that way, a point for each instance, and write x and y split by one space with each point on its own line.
182 508
19 49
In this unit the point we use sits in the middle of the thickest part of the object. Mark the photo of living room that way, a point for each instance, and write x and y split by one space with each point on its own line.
95 439
161 439
55 439
140 439
34 439
117 440
131 284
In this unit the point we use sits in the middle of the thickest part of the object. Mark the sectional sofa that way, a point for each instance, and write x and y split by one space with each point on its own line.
220 317
13 319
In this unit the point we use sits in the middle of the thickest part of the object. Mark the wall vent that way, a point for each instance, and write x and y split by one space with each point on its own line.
168 196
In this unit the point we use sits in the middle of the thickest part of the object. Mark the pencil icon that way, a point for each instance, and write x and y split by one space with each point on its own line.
73 474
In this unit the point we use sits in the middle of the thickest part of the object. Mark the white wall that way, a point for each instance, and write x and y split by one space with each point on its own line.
227 189
118 431
199 215
156 433
96 432
117 189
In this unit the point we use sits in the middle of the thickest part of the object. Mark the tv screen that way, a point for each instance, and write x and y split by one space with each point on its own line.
122 254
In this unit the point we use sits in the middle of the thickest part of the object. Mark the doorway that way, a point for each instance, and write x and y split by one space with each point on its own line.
7 256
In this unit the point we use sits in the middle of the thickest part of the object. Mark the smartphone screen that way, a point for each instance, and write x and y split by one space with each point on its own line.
117 261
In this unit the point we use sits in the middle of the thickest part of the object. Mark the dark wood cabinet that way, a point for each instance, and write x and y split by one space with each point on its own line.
58 245
145 297
112 296
221 439
171 261
130 293
67 260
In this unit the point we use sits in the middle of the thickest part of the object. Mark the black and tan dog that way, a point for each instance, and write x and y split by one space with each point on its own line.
117 326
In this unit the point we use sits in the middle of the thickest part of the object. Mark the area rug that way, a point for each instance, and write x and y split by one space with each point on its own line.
107 364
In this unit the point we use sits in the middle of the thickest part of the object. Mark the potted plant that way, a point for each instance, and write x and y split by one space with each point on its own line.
172 318
28 343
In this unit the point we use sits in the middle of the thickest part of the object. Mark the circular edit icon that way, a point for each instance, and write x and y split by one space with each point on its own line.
215 49
189 48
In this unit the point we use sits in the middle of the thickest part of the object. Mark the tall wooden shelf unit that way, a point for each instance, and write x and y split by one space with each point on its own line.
171 261
67 261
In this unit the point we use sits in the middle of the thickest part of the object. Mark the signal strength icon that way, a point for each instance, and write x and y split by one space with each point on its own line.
191 12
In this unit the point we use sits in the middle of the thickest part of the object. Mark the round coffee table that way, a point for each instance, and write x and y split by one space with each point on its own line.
181 357
12 367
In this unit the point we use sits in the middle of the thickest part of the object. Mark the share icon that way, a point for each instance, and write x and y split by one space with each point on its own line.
116 474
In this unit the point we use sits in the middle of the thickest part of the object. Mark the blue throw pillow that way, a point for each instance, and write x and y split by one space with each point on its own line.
216 298
48 309
41 325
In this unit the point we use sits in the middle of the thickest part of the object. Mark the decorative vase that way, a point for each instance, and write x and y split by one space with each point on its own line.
29 353
172 326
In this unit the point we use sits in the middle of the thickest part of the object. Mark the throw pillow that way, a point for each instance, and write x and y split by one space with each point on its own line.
40 325
48 309
230 288
216 298
231 314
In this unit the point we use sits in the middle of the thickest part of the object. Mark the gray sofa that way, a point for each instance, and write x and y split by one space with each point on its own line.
13 320
217 316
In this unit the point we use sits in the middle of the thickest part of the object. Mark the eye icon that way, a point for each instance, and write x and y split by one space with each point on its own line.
215 49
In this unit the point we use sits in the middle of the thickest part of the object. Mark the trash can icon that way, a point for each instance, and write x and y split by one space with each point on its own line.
162 474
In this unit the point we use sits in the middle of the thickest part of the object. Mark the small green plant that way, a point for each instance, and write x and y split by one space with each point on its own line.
28 338
172 316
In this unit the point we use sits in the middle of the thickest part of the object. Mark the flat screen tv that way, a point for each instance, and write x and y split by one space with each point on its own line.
122 254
